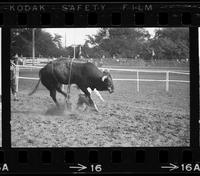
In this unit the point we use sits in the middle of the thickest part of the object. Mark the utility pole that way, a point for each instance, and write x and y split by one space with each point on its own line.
65 39
74 51
33 45
74 45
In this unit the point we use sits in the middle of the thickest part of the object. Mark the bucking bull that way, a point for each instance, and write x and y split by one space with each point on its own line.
86 76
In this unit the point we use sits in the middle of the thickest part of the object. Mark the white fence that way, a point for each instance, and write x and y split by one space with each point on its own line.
30 60
138 80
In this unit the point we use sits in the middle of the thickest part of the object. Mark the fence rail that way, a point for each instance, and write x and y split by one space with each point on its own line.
138 79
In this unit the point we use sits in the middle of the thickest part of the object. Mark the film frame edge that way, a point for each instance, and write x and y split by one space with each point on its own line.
132 159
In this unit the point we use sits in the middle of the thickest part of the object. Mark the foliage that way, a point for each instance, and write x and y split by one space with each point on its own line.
168 43
45 44
131 43
171 43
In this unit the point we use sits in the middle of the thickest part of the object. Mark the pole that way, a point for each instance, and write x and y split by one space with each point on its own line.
74 42
17 78
138 86
33 46
65 39
74 51
167 81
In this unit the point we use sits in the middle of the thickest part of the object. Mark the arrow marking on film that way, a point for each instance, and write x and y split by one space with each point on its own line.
79 167
171 167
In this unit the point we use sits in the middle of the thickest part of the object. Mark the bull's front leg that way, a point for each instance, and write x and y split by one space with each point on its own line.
99 95
91 102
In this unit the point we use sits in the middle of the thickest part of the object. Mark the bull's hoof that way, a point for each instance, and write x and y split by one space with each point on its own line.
95 110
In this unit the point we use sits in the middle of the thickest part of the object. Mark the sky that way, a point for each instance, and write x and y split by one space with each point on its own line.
78 35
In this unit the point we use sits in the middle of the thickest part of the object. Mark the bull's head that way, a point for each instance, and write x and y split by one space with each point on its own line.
107 79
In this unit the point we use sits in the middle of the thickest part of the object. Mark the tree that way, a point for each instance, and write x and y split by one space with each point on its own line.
57 40
118 42
21 41
171 43
45 44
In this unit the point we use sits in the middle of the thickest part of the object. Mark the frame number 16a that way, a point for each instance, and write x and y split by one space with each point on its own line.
190 167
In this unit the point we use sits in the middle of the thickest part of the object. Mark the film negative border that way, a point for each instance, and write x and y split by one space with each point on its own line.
105 160
100 160
100 14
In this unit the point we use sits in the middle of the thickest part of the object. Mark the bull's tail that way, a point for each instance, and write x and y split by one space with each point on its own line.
34 90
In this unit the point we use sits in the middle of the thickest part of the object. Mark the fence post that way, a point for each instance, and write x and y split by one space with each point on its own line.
167 81
138 86
23 60
17 78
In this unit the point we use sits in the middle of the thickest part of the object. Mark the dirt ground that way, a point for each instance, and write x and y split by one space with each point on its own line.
150 118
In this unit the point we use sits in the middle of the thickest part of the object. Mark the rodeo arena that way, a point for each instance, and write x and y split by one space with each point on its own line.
98 102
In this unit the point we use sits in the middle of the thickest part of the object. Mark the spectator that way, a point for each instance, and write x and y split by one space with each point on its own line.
13 78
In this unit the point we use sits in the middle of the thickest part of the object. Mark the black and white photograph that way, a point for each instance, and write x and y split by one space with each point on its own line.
100 87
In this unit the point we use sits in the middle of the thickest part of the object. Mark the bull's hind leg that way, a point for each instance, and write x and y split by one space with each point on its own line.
53 96
59 89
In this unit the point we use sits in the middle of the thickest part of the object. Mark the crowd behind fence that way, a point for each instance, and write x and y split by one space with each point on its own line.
111 61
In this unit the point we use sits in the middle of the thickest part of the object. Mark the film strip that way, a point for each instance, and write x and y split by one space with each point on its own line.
150 124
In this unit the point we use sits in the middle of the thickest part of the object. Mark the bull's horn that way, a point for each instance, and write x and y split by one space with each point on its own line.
104 77
106 70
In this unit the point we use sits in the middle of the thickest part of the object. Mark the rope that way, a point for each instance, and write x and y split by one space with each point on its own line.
68 87
70 70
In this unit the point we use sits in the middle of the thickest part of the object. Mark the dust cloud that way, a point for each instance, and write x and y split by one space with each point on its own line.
63 109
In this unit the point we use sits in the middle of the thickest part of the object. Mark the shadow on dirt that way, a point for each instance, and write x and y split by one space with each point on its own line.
68 110
24 112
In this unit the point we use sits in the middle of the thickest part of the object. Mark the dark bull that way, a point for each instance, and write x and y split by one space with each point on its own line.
85 75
